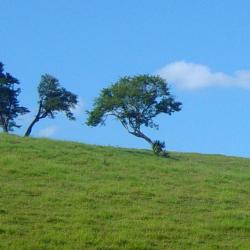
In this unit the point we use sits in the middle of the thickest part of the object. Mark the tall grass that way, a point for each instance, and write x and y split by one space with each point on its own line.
63 195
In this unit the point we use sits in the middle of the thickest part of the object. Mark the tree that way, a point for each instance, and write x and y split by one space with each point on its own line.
52 99
10 108
135 102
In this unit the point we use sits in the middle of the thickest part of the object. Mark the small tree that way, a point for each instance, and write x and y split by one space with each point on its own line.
10 108
53 99
135 102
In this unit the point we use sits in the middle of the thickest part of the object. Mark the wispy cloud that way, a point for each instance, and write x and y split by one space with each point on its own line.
48 131
186 75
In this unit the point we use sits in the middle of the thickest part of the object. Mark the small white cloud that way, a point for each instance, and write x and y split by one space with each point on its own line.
47 132
78 110
193 76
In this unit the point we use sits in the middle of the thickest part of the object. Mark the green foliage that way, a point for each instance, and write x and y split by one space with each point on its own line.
10 108
159 148
53 99
62 195
135 102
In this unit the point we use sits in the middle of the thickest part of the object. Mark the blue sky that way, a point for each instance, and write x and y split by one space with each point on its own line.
202 47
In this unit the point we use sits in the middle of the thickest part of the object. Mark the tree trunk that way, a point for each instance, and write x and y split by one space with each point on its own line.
28 131
5 129
4 125
37 118
141 135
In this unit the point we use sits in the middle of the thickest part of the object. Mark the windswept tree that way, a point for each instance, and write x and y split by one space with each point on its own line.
10 107
134 102
53 99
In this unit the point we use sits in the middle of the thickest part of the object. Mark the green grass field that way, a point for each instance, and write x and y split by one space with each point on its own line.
63 195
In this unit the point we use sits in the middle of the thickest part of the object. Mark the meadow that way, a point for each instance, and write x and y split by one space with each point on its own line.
66 195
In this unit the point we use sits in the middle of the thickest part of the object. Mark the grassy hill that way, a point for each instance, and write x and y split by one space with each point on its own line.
62 195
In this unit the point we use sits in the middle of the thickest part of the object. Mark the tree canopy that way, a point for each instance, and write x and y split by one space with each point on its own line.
135 102
53 99
10 107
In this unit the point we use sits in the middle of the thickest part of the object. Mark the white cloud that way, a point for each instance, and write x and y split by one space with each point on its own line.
47 132
187 75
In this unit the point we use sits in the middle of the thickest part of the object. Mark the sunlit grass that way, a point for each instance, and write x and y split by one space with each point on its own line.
62 195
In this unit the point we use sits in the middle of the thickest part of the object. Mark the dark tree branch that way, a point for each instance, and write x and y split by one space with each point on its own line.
36 119
143 136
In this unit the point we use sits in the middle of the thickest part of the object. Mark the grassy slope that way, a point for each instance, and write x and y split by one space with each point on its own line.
61 195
